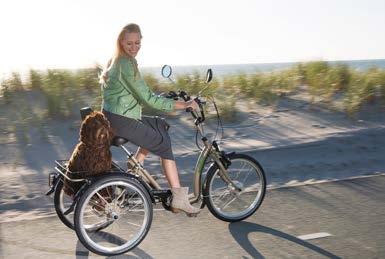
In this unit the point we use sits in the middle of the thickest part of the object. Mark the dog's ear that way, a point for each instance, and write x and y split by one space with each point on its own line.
100 116
102 119
83 131
86 128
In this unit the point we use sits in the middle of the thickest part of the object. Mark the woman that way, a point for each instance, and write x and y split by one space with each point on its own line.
124 94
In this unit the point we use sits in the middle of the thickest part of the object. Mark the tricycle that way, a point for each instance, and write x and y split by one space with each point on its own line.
112 212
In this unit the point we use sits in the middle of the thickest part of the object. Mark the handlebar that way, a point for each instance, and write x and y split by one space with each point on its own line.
182 94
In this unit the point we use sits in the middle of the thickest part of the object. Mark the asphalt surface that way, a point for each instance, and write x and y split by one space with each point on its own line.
351 211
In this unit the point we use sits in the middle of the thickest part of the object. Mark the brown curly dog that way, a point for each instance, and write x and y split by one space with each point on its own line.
92 154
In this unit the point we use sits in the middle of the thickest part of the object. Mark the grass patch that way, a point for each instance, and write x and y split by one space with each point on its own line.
63 92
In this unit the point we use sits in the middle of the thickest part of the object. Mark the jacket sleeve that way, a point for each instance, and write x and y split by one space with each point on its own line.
140 90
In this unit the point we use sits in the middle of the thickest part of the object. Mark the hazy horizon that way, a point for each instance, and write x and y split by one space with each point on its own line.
76 34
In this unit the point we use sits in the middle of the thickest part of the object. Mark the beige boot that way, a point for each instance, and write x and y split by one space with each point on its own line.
180 202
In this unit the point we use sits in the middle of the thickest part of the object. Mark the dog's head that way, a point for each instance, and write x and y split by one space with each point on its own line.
95 130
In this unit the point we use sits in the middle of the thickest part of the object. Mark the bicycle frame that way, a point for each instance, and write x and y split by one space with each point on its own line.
209 150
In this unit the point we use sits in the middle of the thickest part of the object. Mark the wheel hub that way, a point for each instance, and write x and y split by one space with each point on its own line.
113 215
233 189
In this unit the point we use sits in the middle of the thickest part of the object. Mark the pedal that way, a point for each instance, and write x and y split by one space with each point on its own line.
162 194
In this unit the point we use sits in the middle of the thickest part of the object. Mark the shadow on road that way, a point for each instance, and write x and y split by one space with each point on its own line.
241 230
82 252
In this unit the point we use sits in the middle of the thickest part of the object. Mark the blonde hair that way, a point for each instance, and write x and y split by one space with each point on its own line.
119 51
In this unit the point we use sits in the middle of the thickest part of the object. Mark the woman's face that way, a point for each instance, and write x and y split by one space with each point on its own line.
131 43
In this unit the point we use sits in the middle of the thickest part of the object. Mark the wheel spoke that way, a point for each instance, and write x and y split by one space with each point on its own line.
120 195
242 201
101 197
247 175
222 195
232 198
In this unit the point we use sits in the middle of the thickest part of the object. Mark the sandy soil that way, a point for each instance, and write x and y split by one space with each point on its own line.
296 143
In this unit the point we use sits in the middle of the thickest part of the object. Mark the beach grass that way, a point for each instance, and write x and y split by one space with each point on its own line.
63 92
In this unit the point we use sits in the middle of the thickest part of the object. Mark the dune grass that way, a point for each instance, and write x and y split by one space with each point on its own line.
65 91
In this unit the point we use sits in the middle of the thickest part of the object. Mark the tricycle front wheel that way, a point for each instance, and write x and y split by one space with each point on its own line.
224 200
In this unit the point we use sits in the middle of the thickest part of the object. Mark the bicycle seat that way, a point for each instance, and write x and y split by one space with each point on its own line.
118 141
85 111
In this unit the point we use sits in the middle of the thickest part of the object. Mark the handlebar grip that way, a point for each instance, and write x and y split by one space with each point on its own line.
193 113
184 95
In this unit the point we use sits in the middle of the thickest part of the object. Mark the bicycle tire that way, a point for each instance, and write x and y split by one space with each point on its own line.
212 175
59 196
91 238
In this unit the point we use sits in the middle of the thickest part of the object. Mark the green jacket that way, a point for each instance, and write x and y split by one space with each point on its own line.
125 92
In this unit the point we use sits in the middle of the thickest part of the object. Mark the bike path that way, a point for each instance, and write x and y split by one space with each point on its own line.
352 212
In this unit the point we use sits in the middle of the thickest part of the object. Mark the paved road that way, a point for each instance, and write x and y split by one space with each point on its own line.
351 211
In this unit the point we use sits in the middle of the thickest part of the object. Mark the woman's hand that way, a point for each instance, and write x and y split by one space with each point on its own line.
192 104
184 105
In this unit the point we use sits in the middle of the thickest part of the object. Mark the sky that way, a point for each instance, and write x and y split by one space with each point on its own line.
79 33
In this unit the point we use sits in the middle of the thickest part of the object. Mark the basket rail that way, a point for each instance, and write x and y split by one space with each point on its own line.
61 168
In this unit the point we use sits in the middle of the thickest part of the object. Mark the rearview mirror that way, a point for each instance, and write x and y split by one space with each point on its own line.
166 71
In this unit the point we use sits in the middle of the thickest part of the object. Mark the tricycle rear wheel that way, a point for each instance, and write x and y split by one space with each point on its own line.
62 202
113 215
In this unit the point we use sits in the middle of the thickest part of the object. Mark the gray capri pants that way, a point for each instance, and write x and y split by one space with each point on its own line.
149 132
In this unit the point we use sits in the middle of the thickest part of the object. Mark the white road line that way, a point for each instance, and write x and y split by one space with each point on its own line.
312 182
314 236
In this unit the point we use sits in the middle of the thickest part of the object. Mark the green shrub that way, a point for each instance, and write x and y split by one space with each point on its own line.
35 79
324 81
243 83
263 88
66 91
13 82
381 85
87 78
227 108
153 82
9 86
315 78
364 87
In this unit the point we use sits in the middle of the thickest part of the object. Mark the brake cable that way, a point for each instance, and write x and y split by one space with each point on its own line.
196 140
219 122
